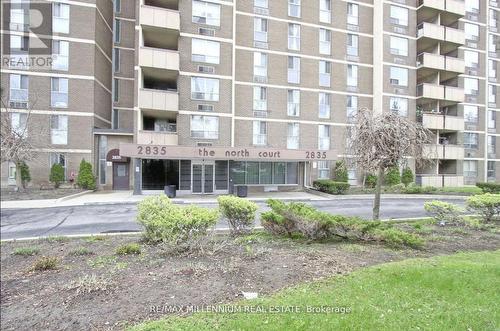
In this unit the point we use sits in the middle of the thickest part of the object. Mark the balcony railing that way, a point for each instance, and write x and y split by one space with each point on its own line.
160 17
157 138
440 180
159 58
159 99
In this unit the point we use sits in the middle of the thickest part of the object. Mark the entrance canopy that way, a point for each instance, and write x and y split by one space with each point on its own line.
222 153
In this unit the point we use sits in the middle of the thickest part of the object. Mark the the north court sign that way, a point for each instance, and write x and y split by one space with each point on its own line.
221 153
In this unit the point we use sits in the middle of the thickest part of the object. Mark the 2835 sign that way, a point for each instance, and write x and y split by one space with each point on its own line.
151 150
315 155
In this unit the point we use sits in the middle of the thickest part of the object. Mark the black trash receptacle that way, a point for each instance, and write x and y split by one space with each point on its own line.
242 191
170 191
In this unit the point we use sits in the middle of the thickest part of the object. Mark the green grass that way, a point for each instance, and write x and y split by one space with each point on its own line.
93 239
460 189
80 251
442 293
26 251
129 249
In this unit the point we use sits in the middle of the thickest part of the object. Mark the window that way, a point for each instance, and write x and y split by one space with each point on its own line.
352 106
293 69
472 6
18 19
470 168
261 3
471 114
117 31
352 75
60 51
260 98
292 139
294 37
260 30
492 119
59 92
352 13
325 41
492 69
494 43
260 64
323 137
324 105
19 122
399 15
118 6
19 48
103 149
206 13
323 169
115 118
18 90
58 158
352 44
262 173
294 8
204 89
493 19
471 31
471 59
116 89
492 94
12 170
399 76
60 17
471 140
293 103
325 73
259 133
492 145
399 46
325 11
399 106
205 51
206 127
471 86
59 129
116 59
491 170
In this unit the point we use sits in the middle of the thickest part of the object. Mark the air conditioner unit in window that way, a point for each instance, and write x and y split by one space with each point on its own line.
471 127
399 91
352 27
18 104
398 29
260 113
472 17
260 79
205 108
261 11
399 60
472 72
206 69
206 32
471 44
260 44
204 144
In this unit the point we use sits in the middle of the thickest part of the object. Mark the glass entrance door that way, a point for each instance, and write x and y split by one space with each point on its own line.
202 178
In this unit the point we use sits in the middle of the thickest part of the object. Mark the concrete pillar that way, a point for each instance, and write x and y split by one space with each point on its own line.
137 176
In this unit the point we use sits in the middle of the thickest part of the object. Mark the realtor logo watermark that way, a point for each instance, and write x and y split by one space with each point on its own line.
29 41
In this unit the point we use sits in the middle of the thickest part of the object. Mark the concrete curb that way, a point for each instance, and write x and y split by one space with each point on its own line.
72 196
387 195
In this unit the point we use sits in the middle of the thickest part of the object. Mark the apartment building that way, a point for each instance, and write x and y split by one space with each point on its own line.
206 95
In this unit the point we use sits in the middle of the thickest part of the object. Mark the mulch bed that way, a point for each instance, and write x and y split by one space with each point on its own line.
37 194
38 300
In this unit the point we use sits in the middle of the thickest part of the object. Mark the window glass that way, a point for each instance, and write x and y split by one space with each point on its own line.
324 105
471 31
399 106
399 76
206 13
59 129
471 86
59 92
399 46
204 88
60 17
471 59
206 51
399 15
471 113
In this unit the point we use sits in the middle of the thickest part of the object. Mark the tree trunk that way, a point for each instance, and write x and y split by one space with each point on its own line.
378 191
19 181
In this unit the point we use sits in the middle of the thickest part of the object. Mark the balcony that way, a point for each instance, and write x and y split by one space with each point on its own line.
433 31
159 58
430 91
437 121
160 18
440 180
454 64
444 152
454 36
428 62
157 138
450 10
431 61
163 100
454 94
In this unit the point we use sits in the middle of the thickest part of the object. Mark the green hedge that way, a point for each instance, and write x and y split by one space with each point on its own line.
239 212
487 205
330 186
489 187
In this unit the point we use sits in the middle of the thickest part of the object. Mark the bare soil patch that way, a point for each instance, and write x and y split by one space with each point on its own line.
37 194
94 288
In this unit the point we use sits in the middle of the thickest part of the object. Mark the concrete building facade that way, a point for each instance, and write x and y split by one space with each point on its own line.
205 95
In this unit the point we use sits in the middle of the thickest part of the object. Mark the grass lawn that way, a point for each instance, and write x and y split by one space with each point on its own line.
454 292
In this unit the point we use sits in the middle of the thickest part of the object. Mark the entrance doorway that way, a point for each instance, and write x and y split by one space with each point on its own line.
120 176
203 177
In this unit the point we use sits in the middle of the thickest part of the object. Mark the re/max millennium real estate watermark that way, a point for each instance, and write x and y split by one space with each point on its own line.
249 309
30 43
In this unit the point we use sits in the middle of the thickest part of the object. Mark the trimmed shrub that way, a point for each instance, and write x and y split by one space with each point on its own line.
396 238
489 187
415 189
173 224
487 205
25 174
128 249
276 224
45 263
239 212
393 177
56 175
407 176
340 173
371 181
443 212
86 179
331 187
399 188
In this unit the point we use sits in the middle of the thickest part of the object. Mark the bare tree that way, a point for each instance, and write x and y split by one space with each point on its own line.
378 142
17 145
